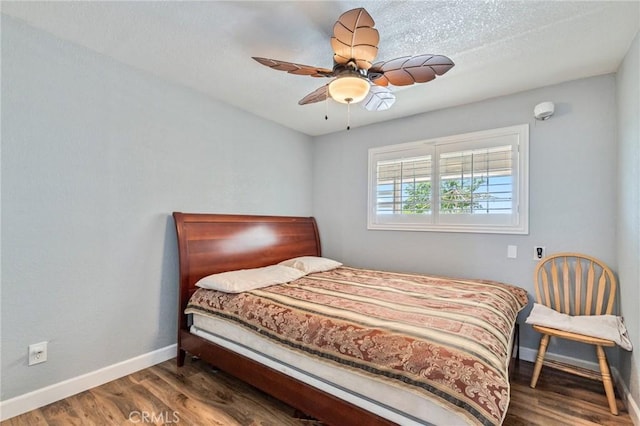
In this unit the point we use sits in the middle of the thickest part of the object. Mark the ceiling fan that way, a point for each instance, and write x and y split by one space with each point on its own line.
355 77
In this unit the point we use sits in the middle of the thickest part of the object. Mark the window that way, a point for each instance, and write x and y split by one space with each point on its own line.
475 182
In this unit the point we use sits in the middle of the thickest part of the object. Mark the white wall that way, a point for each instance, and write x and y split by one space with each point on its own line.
628 235
572 189
95 157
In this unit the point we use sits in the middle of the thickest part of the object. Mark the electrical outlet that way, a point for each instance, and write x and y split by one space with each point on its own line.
538 252
37 353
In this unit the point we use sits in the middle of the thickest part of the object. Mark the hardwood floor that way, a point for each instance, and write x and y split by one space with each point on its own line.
559 399
198 395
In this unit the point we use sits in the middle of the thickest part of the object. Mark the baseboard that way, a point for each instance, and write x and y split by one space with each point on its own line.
529 354
630 403
41 397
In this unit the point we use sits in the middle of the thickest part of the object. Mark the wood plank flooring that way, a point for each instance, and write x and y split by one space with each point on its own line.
559 399
198 395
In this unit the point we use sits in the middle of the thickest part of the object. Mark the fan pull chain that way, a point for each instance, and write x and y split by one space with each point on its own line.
348 115
326 106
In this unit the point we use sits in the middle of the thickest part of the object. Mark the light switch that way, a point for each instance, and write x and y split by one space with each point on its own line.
512 252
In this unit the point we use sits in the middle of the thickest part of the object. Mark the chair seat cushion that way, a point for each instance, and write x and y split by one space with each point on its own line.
594 329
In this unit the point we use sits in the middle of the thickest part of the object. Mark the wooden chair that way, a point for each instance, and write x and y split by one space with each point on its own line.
575 284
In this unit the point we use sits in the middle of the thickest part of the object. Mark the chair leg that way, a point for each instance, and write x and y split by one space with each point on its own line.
544 342
606 380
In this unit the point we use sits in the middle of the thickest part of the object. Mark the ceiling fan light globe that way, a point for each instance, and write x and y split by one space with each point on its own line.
349 89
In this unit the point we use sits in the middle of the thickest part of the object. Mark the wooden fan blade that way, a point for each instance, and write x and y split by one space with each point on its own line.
379 99
409 70
292 68
354 38
318 95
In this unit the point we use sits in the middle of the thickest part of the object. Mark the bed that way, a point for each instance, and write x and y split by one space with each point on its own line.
334 343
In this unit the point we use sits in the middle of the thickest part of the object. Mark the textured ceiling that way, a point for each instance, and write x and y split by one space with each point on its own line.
499 47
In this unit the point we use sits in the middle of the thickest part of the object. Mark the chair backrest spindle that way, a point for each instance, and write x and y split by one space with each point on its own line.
602 283
589 303
556 287
566 284
578 289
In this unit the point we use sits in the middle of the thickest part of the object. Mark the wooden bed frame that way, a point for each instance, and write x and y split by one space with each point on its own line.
212 243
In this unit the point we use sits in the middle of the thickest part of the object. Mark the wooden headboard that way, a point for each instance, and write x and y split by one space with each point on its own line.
212 243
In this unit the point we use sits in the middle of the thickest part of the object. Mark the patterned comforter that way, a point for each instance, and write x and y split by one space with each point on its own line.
445 338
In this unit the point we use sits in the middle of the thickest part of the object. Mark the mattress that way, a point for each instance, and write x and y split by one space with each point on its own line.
387 401
418 349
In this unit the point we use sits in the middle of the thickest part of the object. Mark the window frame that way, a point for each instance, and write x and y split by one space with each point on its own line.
518 220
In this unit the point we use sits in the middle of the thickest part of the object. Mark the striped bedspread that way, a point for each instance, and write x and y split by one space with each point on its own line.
447 339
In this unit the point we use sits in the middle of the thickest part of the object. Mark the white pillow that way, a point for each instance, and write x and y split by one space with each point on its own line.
311 264
250 279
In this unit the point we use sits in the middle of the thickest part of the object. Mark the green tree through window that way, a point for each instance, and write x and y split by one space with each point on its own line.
456 196
418 198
